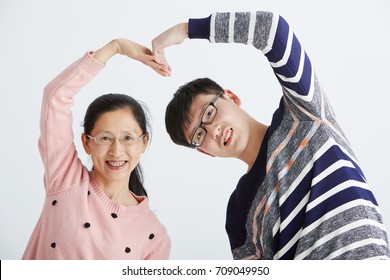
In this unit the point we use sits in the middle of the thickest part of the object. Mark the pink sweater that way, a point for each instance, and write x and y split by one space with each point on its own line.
78 220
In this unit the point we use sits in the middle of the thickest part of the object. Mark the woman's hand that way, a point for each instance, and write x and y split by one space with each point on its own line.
132 50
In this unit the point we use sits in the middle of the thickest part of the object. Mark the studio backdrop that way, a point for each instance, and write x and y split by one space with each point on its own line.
347 41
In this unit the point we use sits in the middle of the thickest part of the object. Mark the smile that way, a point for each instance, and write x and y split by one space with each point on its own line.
116 164
228 137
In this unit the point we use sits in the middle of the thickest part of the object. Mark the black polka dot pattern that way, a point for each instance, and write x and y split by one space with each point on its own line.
88 225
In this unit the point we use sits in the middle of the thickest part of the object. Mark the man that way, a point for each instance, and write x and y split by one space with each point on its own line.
304 195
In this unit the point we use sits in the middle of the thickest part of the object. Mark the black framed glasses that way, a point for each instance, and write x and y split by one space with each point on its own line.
208 116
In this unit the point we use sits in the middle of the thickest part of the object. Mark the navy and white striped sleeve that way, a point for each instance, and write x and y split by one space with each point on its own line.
269 33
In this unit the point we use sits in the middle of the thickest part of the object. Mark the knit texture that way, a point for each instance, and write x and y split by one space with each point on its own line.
78 220
306 196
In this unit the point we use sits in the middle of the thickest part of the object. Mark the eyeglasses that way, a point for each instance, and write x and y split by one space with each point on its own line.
106 139
208 116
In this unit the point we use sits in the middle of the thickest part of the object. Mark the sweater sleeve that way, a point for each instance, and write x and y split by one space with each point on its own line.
271 34
63 168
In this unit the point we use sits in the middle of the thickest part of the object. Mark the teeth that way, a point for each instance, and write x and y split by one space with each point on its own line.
228 134
116 163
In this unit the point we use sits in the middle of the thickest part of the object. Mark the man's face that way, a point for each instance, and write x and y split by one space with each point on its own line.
226 135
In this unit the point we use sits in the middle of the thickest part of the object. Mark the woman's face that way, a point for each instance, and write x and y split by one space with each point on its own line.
114 162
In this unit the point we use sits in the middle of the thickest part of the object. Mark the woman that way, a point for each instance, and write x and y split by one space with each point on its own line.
103 213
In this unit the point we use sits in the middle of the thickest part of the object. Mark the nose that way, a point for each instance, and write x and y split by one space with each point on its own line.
116 148
215 130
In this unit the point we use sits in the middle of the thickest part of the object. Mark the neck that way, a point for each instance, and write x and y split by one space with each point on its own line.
256 137
118 192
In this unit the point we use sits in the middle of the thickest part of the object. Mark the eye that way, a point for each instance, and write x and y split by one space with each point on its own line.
128 138
199 135
106 139
209 115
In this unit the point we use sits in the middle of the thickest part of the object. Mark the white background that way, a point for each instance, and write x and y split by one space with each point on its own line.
347 41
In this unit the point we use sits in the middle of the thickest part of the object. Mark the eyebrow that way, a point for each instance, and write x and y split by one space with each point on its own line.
122 131
198 123
190 120
129 131
104 131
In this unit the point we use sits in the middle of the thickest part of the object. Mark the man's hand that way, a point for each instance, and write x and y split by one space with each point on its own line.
172 36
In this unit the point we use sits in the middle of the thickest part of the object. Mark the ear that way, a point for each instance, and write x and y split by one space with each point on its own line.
203 152
229 95
86 143
145 141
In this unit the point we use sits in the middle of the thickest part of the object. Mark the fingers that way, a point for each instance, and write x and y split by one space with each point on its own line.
159 57
161 68
154 59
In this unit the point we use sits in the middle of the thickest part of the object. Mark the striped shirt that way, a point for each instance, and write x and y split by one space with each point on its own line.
306 196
